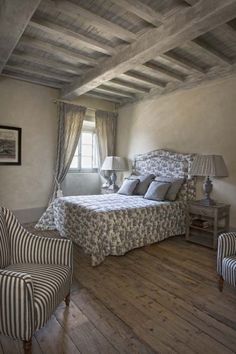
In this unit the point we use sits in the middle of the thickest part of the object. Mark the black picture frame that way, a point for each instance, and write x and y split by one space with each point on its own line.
10 145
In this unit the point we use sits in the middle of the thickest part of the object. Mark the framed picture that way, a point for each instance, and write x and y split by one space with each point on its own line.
10 145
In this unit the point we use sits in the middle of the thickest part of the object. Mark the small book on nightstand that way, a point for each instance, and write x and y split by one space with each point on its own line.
200 223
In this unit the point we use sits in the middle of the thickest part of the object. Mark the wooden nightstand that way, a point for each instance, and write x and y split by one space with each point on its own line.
206 223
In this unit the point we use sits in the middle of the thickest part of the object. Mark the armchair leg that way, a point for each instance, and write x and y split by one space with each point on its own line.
221 283
27 344
67 299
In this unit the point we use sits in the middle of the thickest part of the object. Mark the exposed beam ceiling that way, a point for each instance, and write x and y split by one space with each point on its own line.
119 50
211 51
141 10
128 85
27 70
144 78
186 25
52 64
182 62
74 11
14 17
32 80
56 50
52 28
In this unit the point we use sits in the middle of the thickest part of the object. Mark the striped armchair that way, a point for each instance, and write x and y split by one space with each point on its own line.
226 259
35 276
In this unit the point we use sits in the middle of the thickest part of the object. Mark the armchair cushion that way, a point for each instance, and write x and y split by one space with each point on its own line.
226 248
229 270
4 243
16 304
51 284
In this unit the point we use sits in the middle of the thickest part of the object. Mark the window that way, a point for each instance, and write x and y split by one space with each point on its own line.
86 155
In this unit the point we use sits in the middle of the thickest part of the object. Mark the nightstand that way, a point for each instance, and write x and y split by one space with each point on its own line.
206 223
108 190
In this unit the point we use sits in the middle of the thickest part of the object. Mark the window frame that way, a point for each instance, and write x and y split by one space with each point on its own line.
79 169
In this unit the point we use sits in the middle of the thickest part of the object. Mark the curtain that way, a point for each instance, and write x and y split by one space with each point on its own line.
70 122
105 123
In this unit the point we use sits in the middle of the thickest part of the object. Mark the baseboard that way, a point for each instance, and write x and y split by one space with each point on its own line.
29 215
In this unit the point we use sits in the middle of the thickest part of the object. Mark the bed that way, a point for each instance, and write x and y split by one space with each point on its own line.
113 224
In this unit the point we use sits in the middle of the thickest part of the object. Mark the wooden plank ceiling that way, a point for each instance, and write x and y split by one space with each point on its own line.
118 50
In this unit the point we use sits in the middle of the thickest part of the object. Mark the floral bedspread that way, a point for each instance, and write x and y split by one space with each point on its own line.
113 224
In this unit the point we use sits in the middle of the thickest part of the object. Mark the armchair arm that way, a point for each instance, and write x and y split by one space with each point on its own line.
16 305
226 247
29 248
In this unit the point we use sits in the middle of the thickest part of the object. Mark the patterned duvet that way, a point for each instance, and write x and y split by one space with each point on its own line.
113 224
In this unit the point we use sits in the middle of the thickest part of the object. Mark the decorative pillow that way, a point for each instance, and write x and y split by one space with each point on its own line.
144 182
128 186
4 243
157 190
176 184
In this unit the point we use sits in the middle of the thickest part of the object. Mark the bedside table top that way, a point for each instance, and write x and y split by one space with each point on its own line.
214 206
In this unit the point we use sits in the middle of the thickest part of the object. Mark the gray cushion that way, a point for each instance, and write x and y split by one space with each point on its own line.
128 186
144 182
157 191
174 189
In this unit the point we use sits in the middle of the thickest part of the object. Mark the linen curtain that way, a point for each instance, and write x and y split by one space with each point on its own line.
105 123
70 122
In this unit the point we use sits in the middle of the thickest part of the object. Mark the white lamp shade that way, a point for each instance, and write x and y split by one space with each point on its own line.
209 165
114 163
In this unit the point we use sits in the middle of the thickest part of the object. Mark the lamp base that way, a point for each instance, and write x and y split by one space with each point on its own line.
113 185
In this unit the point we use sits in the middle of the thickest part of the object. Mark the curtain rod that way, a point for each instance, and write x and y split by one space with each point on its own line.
76 104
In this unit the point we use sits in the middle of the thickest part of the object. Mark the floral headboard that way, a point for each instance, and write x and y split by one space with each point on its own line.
170 164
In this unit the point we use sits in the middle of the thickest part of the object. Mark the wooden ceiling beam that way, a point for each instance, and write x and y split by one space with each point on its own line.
141 10
182 62
26 69
113 91
52 64
129 85
51 28
214 53
31 80
53 49
158 69
186 25
144 78
103 97
74 10
14 17
229 30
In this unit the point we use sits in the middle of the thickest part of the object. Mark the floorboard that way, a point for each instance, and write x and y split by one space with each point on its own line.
159 299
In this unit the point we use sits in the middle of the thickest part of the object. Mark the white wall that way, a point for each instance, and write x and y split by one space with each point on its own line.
26 188
200 120
29 107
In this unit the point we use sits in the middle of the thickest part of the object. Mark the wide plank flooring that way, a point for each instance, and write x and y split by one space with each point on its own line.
158 299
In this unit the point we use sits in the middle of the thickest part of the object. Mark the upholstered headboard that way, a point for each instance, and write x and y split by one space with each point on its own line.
170 164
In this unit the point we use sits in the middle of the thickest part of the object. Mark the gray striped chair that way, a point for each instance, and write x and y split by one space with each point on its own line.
226 259
35 276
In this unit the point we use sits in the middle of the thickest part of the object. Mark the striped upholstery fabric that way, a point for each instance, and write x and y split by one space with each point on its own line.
229 270
28 248
226 257
35 276
16 304
51 285
4 243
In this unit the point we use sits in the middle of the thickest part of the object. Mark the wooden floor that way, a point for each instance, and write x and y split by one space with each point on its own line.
158 299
